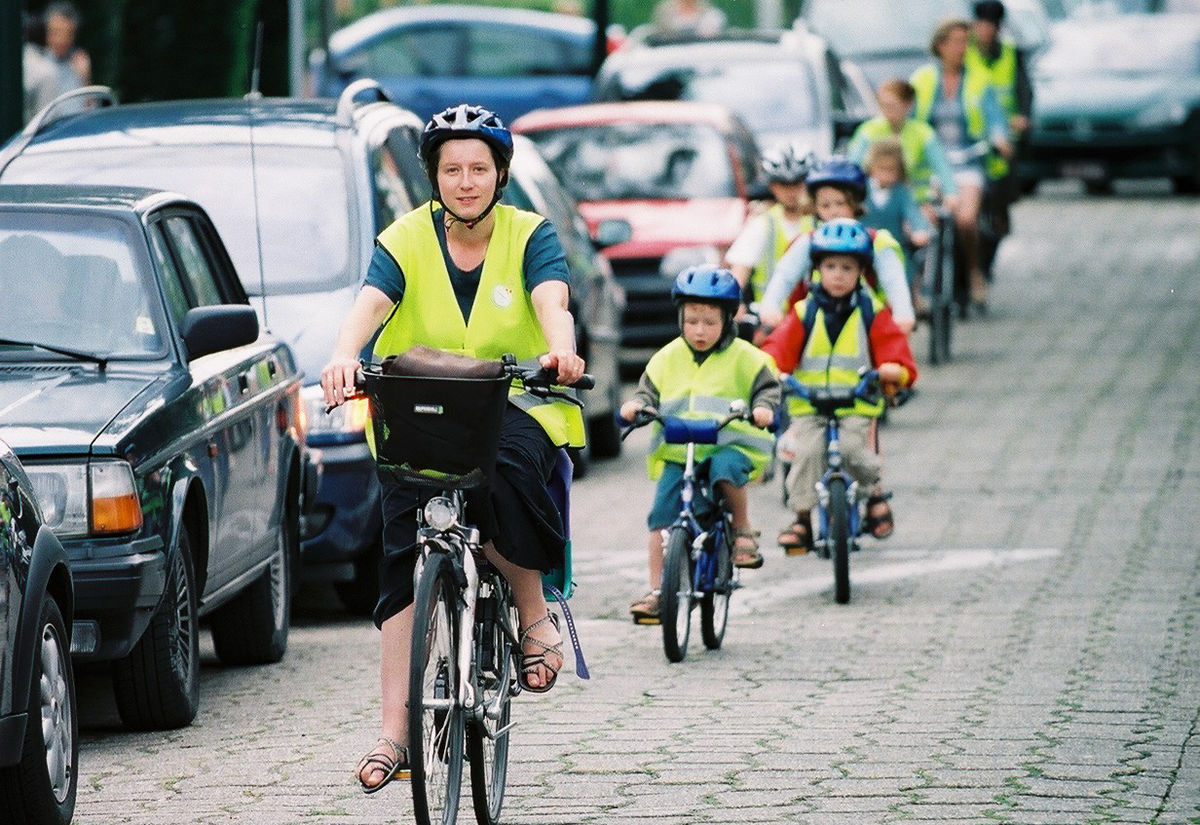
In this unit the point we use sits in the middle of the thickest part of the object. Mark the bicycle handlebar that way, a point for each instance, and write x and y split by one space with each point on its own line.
649 415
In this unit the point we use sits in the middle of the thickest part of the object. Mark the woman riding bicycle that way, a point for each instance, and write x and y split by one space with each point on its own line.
468 275
960 103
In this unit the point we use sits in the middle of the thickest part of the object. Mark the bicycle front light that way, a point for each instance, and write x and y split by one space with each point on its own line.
440 514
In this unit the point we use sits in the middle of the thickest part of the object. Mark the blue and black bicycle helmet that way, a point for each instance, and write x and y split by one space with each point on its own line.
840 172
467 121
841 236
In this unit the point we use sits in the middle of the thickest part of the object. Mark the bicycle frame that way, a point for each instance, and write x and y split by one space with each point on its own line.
704 563
833 468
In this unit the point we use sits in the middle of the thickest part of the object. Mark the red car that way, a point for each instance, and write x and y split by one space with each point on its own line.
669 181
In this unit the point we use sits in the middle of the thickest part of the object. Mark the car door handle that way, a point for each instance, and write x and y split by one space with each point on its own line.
244 382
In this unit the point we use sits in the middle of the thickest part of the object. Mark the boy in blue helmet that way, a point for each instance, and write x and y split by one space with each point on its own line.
699 375
839 330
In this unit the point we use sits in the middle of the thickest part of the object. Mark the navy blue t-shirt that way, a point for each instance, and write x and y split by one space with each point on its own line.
544 261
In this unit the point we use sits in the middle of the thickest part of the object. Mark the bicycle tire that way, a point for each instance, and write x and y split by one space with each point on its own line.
487 753
714 604
435 720
676 602
839 538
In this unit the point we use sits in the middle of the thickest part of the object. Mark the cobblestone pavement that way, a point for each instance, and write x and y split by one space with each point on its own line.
1025 649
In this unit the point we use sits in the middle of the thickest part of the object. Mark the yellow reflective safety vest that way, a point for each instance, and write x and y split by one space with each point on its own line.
1002 72
914 136
778 241
835 364
502 317
705 391
974 86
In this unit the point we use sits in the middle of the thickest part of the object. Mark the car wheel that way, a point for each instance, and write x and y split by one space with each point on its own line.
41 787
360 595
157 685
253 628
604 436
1187 184
1098 187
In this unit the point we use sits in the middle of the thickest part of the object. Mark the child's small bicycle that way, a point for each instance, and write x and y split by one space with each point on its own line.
841 502
698 550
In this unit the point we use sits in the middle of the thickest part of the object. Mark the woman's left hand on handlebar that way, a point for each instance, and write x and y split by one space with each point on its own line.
337 380
569 365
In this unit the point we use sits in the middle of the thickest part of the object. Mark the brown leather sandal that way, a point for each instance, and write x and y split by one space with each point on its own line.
395 766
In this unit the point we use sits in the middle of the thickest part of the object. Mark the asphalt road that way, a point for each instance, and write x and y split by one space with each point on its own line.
1024 649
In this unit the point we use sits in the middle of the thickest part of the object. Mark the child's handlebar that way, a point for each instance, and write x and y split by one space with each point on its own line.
738 411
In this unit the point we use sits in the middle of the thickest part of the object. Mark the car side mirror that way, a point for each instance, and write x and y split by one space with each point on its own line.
611 232
217 328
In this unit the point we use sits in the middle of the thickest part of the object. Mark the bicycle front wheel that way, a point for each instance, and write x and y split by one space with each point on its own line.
839 538
487 739
676 604
714 604
435 720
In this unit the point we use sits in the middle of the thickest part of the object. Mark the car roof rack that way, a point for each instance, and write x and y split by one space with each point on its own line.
348 99
101 95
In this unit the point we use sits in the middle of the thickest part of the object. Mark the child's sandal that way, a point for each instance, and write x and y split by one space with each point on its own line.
745 549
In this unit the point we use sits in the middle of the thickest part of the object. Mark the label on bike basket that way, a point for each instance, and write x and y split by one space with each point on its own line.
429 409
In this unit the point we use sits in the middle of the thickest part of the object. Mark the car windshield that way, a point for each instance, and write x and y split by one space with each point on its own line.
631 161
866 27
1119 51
306 215
770 96
77 282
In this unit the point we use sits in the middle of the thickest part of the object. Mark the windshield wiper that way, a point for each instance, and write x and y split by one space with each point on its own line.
78 355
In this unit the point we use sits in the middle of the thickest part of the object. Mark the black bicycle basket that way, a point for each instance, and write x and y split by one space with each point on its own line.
436 431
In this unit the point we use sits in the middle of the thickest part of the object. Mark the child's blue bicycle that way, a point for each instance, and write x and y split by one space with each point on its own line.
840 500
698 550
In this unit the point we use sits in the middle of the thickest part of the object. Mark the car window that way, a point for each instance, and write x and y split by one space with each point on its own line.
172 282
417 51
1117 51
873 27
399 181
198 274
305 211
509 51
90 293
639 160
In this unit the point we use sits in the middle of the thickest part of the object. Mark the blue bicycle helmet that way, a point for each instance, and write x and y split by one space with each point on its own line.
840 172
707 283
841 236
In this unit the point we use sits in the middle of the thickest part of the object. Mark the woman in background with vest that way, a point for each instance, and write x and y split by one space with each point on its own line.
960 104
468 275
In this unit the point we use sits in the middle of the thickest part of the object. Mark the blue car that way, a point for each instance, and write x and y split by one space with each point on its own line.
298 190
432 57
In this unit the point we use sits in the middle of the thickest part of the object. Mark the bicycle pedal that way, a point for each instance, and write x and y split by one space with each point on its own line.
647 620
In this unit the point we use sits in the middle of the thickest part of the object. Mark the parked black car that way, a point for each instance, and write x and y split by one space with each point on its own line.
162 433
39 727
298 190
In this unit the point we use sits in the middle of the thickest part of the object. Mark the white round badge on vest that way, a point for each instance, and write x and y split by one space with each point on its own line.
502 296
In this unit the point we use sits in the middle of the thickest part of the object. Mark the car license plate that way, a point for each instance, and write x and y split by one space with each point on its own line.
1084 170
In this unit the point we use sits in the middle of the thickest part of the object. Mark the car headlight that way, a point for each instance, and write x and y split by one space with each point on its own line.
1163 113
99 498
681 257
344 423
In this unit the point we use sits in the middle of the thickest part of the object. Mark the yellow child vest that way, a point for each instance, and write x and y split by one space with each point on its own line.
502 317
705 390
974 85
777 243
835 364
914 137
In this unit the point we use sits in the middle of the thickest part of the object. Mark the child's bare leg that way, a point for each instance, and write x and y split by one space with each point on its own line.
654 558
737 501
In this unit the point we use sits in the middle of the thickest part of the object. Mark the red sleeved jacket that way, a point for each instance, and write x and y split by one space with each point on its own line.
888 343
